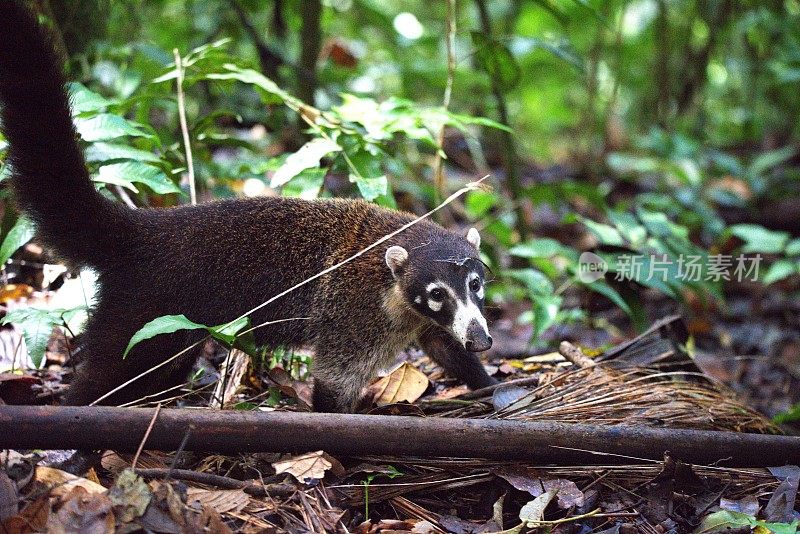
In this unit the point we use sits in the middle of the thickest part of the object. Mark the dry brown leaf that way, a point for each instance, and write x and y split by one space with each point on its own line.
406 383
222 501
12 292
116 463
208 520
32 518
231 374
531 480
309 466
63 482
83 512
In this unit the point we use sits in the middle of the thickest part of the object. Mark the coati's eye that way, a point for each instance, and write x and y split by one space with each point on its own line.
437 294
475 284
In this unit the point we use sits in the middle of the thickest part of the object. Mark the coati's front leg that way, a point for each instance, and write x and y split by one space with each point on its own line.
343 366
338 385
456 360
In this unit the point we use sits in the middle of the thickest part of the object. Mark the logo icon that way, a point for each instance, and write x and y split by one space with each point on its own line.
591 267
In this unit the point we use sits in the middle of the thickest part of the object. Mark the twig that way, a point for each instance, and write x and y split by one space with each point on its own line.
438 165
184 127
181 448
575 355
123 195
219 481
146 435
593 513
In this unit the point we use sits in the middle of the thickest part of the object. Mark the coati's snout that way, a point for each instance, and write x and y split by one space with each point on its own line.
478 338
444 281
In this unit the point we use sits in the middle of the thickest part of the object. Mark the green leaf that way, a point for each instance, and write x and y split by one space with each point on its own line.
372 187
759 239
627 163
129 172
166 324
82 100
227 332
497 60
367 174
726 519
793 247
169 324
789 416
781 269
252 77
659 225
458 121
478 203
545 312
107 126
768 160
536 282
561 49
110 151
607 235
20 233
628 227
537 248
306 185
37 325
306 158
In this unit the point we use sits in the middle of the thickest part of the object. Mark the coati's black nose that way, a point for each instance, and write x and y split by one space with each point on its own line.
478 339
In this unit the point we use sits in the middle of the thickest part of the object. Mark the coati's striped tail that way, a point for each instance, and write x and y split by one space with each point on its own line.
49 176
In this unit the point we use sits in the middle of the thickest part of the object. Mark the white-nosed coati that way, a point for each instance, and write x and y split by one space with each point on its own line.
215 261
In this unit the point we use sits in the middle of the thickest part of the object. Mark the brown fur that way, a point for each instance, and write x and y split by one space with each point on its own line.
214 261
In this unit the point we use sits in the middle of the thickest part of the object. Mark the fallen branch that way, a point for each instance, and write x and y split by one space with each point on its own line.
121 429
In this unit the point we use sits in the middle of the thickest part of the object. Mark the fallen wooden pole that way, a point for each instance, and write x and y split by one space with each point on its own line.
229 431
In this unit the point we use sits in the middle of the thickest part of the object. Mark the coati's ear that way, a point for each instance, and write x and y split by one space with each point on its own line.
396 257
474 238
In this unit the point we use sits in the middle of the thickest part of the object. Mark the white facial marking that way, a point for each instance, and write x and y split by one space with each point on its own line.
479 292
434 305
464 314
418 299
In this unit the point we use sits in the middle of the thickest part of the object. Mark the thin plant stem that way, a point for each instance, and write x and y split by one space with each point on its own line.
184 127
